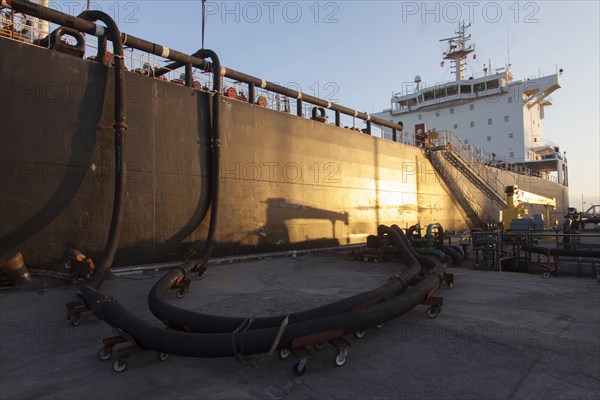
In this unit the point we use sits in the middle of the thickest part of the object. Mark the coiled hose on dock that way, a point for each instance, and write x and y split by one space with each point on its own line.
205 323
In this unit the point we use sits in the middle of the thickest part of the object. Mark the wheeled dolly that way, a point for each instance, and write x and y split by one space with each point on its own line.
449 279
123 353
303 354
435 305
182 287
74 311
550 267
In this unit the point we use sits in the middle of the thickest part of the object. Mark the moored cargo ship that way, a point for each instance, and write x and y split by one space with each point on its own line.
289 178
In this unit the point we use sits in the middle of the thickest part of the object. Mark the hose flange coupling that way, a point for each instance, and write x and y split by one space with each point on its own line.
120 125
399 279
101 300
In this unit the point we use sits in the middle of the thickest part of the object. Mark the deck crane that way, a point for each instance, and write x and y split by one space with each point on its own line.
515 198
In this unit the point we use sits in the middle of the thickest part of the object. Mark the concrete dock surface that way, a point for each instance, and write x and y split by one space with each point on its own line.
500 335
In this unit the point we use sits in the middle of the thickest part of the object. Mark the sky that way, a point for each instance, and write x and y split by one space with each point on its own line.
356 53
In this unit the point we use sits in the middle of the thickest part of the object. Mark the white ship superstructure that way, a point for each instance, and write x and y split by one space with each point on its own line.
496 117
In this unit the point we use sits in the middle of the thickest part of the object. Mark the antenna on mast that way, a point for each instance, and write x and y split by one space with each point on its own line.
458 49
203 20
507 46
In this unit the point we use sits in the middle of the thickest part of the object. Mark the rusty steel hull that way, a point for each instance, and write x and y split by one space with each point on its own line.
286 182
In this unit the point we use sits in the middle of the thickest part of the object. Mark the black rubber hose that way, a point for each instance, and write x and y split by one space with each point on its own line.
454 255
426 262
459 251
178 273
206 323
112 243
255 341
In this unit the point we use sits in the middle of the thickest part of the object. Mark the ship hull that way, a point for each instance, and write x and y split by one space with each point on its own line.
285 182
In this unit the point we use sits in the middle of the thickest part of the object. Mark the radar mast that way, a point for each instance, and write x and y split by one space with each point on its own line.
458 50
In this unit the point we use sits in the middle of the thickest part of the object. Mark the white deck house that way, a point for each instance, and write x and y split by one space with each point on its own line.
498 118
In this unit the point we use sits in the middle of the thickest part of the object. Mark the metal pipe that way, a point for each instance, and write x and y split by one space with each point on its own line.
180 59
189 78
251 93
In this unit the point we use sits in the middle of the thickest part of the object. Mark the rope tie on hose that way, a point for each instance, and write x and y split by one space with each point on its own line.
245 325
277 339
274 345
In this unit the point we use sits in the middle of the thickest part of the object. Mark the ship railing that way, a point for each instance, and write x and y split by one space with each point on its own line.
474 158
158 59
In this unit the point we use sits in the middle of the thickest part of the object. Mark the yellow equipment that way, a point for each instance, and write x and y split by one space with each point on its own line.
516 197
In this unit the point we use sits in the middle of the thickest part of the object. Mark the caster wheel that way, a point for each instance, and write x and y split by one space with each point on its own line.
75 319
201 275
299 368
186 289
119 366
365 258
359 334
432 312
105 354
284 353
162 357
320 346
379 326
180 293
546 275
340 360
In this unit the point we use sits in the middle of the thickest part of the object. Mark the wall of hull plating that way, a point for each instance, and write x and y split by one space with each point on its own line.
287 182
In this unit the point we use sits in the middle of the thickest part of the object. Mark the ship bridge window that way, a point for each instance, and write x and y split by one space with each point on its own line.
465 88
452 111
506 118
420 117
452 90
479 87
439 93
471 107
428 96
493 84
411 102
402 103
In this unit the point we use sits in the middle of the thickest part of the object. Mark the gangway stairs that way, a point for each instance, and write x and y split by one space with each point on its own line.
460 192
469 171
455 164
